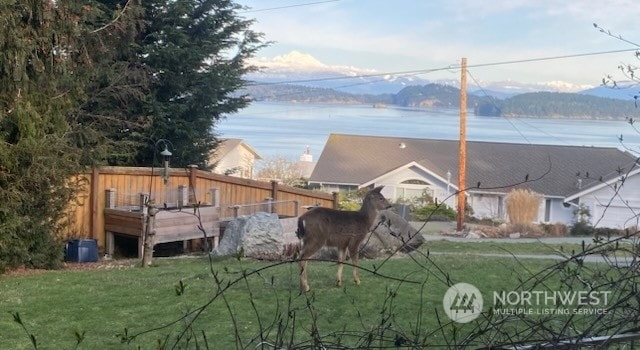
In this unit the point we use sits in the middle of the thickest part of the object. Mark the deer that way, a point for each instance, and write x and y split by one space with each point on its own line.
342 229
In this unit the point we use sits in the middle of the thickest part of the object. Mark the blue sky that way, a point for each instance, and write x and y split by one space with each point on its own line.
402 35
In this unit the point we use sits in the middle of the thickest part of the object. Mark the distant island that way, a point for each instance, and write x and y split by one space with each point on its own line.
536 104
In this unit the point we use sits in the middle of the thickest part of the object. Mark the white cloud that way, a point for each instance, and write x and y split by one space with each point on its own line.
408 35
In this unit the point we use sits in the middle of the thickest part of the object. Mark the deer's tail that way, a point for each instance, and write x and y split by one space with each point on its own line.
300 230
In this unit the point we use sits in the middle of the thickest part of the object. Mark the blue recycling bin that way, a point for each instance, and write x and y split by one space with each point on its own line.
82 250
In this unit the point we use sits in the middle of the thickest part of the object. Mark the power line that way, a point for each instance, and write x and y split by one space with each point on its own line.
550 58
290 6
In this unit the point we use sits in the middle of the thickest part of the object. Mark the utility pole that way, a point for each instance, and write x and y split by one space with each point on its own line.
462 156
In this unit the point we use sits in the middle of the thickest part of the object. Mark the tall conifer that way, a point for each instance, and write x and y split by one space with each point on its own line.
196 51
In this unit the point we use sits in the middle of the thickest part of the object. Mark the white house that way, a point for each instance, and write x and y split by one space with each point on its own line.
604 180
234 157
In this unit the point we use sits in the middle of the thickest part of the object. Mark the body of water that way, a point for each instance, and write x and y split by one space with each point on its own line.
285 129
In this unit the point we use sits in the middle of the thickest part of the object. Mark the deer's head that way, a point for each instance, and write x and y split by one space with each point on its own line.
376 199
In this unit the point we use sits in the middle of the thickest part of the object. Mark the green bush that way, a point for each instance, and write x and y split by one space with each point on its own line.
607 232
581 228
351 200
435 212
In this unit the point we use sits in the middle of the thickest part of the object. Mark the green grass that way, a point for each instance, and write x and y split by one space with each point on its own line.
402 296
533 248
626 249
102 303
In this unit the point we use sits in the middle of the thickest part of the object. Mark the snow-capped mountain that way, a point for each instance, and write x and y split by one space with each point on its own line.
303 69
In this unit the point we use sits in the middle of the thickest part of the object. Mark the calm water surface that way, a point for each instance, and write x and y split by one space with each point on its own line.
284 129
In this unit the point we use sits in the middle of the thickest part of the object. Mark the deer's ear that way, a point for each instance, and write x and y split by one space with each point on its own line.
378 189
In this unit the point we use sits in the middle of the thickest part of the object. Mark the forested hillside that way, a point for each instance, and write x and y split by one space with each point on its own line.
555 104
537 104
307 94
432 95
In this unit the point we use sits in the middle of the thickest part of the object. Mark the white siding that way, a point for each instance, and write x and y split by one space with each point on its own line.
493 206
487 206
615 211
559 213
239 160
395 189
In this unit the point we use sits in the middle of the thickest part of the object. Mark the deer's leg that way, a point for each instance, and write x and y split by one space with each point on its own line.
308 249
353 253
304 286
341 254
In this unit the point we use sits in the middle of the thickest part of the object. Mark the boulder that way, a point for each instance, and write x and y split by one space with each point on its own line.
257 235
391 233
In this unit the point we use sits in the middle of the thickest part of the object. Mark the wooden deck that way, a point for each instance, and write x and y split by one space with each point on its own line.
170 226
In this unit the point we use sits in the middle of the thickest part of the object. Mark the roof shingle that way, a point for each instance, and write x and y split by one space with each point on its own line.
551 169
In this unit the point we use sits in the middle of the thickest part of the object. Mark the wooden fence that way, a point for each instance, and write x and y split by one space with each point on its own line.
86 213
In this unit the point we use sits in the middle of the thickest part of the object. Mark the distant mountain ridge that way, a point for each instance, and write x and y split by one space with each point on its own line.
300 78
296 68
558 105
535 104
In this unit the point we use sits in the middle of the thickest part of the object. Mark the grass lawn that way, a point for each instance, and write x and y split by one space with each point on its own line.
156 304
488 247
527 249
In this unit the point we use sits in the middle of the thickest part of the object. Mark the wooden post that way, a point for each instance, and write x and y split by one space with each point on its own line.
144 202
93 199
183 196
274 190
268 205
462 157
336 200
215 197
296 209
109 203
149 234
193 178
110 198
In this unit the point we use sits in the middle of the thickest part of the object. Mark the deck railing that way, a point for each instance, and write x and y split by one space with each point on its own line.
185 187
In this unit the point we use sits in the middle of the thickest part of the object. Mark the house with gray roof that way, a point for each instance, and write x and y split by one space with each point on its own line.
604 180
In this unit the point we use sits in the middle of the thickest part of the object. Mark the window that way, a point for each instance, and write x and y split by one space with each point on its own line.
413 189
414 182
547 210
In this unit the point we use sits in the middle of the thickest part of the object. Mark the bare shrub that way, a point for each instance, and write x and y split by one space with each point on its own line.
526 230
522 206
555 230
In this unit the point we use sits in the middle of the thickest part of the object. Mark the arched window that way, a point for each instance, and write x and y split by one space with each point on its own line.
414 189
415 182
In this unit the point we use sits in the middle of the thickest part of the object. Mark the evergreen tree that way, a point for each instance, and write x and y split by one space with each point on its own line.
50 52
109 121
196 52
